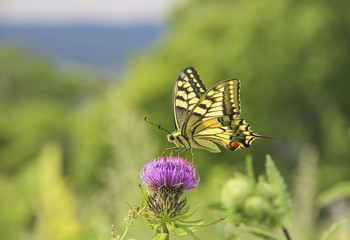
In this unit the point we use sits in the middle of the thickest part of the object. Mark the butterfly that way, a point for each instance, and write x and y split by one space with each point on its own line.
206 117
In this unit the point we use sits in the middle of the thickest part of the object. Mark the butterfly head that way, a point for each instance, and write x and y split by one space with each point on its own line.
174 138
178 139
170 137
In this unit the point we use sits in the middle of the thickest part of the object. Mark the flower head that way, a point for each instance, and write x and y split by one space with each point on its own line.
172 173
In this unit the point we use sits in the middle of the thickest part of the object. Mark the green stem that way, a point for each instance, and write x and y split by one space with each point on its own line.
285 231
125 232
166 230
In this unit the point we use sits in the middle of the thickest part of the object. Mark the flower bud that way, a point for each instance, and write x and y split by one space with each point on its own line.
256 207
235 191
265 190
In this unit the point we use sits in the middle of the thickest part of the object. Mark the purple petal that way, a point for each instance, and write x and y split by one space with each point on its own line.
170 173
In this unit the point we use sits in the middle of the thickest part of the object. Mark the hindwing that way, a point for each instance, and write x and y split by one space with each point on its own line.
187 91
233 133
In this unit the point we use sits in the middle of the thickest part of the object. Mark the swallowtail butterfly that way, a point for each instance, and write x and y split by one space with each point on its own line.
206 117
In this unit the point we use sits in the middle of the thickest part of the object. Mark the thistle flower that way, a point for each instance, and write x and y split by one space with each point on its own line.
167 179
164 205
170 173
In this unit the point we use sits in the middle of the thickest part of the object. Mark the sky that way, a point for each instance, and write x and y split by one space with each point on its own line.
121 12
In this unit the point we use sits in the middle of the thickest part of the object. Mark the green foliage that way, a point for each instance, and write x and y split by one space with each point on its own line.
40 108
265 205
235 191
173 217
55 204
305 188
39 103
128 221
281 203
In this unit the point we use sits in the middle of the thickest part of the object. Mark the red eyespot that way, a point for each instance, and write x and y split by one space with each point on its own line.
233 145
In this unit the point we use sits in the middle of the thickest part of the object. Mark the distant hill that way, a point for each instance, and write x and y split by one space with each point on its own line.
102 48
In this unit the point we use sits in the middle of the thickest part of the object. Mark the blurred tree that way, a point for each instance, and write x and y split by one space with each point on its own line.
55 205
38 103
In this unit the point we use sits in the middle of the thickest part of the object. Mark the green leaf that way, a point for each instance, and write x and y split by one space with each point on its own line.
170 225
141 189
144 199
156 230
213 222
190 221
198 223
282 202
189 232
188 215
333 228
161 236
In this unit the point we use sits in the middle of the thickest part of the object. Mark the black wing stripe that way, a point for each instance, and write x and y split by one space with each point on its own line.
187 91
195 81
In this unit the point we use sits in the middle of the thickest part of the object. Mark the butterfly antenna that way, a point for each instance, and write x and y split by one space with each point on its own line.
159 127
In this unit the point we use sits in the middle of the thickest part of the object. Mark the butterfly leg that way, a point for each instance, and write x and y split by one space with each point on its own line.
181 150
192 154
166 148
172 151
169 149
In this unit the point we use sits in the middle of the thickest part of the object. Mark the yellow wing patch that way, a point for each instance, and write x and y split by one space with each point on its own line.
221 100
233 133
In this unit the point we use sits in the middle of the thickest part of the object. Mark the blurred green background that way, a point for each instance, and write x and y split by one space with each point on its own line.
72 146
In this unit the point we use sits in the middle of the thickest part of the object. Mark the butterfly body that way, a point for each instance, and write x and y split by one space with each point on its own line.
204 118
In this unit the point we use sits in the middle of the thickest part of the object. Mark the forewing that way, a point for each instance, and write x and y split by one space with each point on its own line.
221 100
187 91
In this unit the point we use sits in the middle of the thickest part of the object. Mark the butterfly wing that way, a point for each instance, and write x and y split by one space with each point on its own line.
221 100
215 119
187 91
233 133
